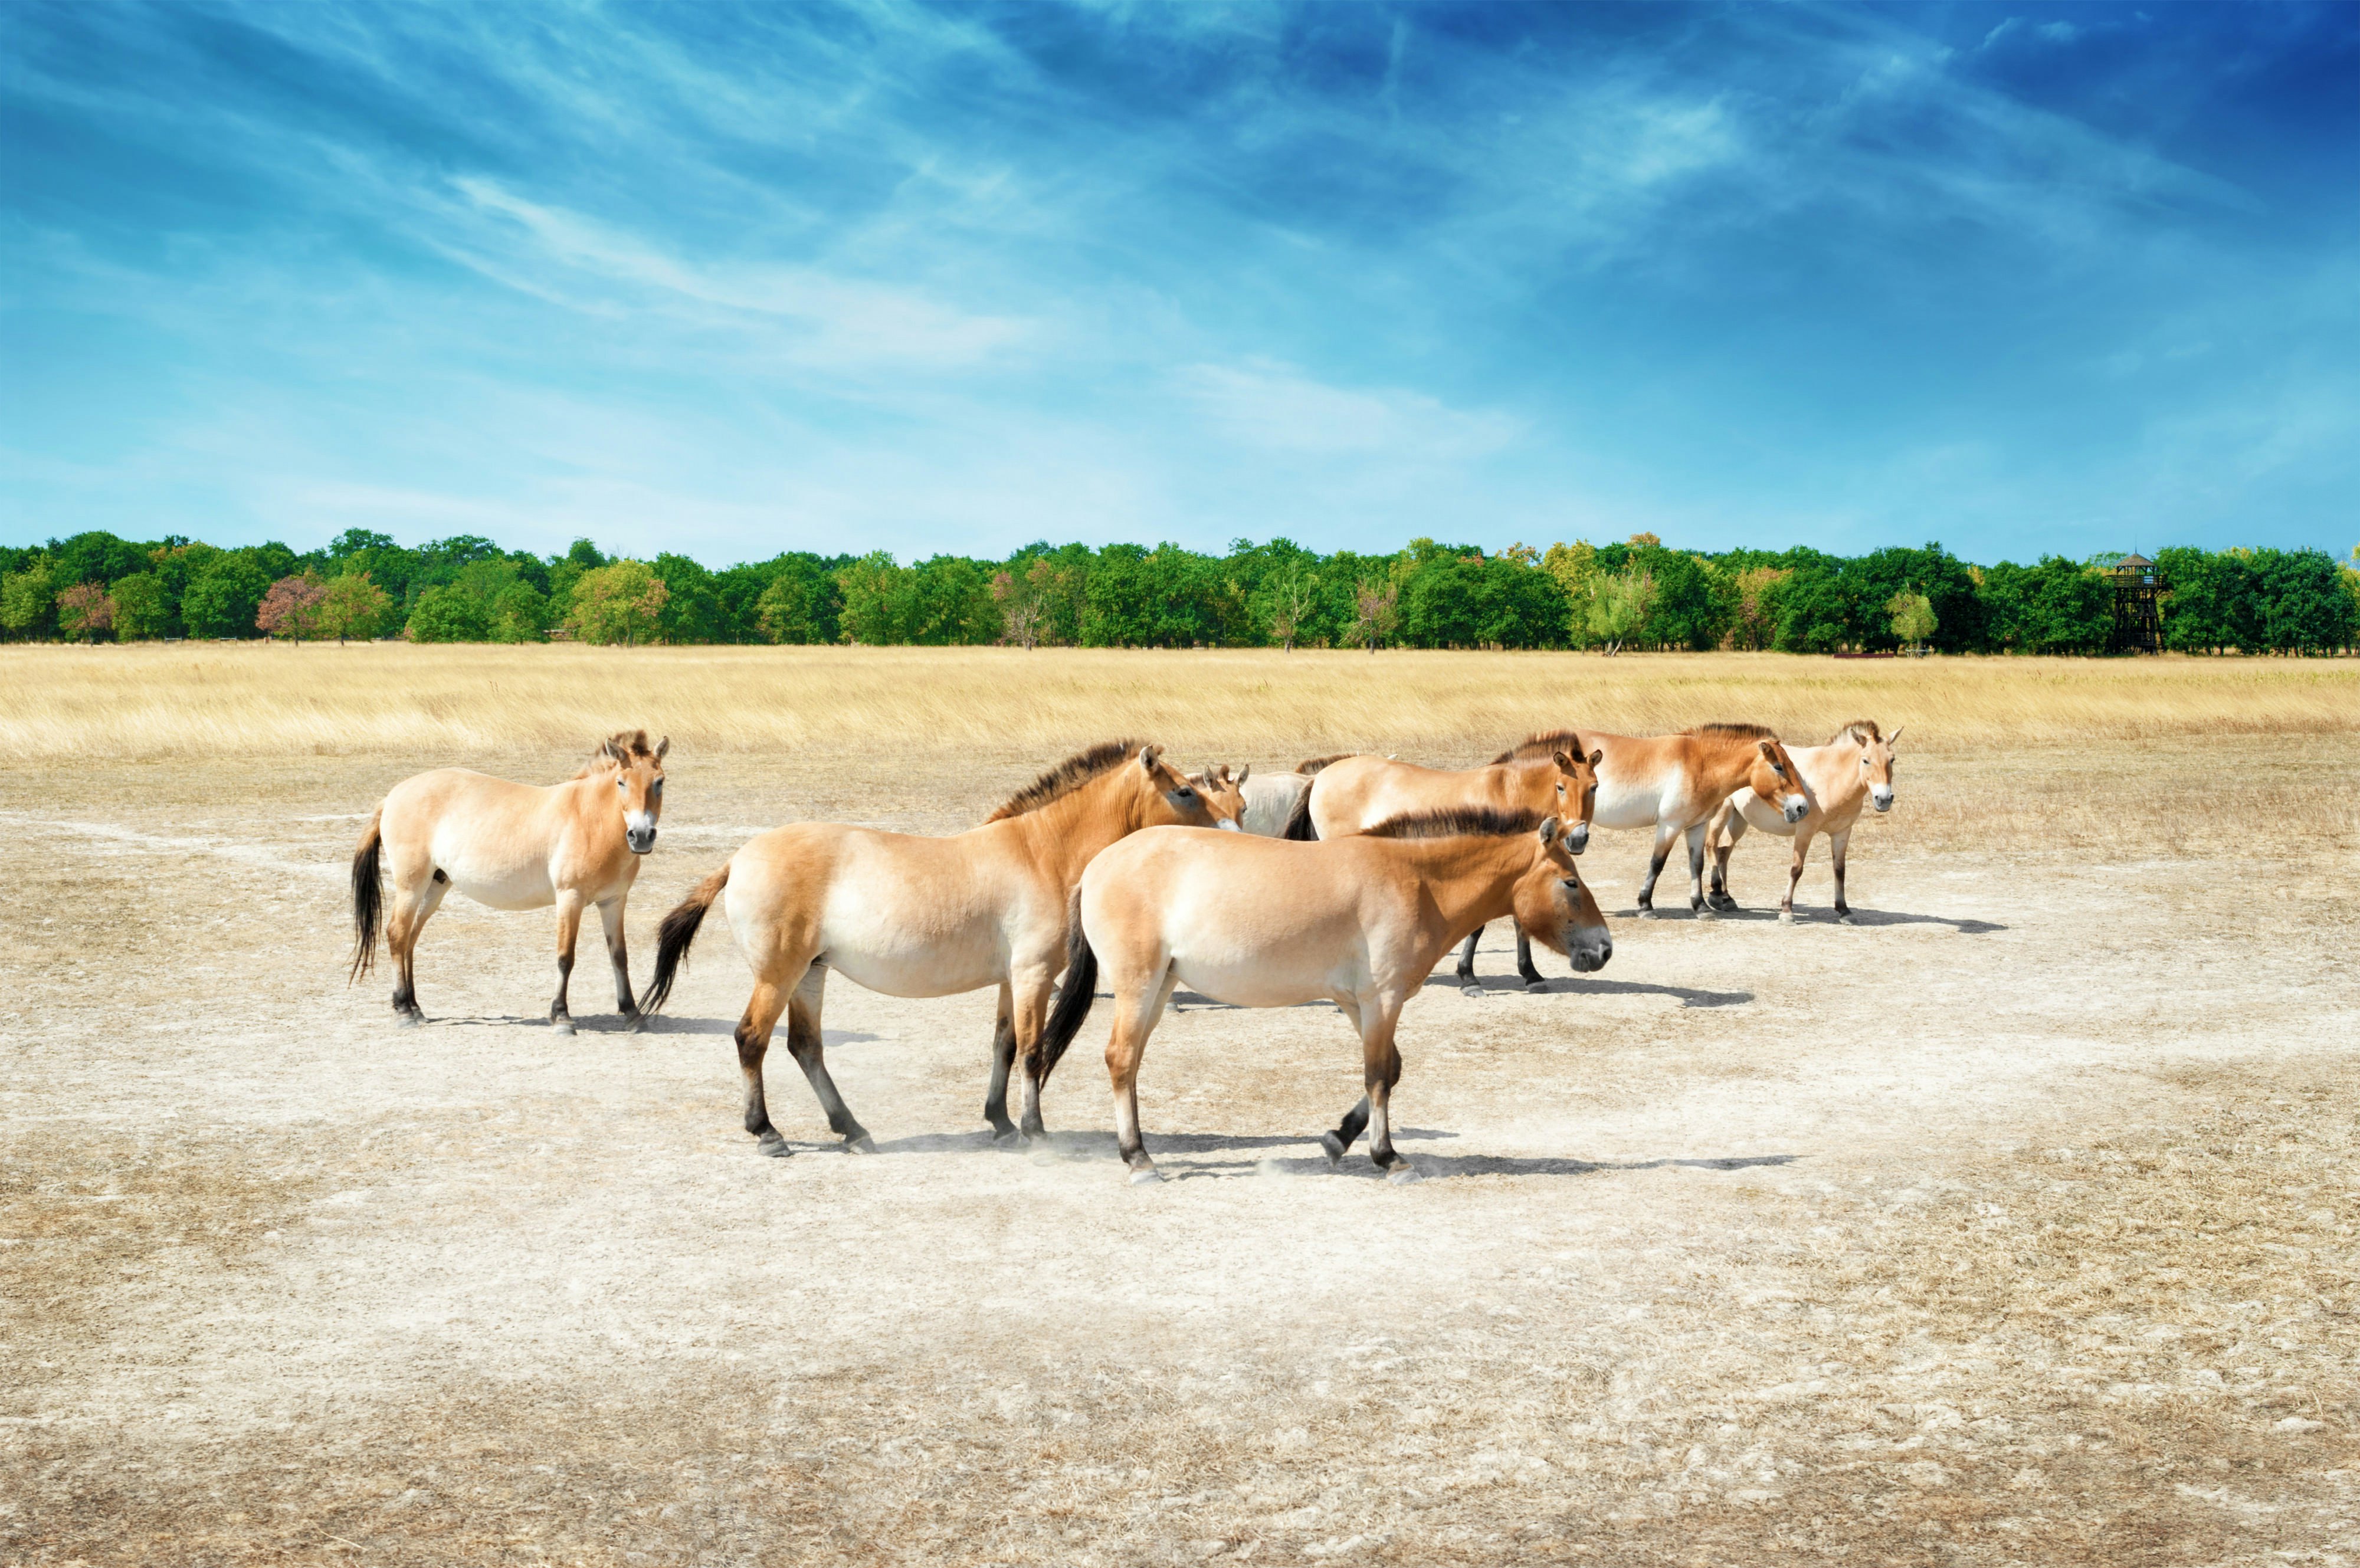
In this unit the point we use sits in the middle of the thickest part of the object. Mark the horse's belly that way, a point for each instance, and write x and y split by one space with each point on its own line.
503 885
1249 985
1627 806
909 964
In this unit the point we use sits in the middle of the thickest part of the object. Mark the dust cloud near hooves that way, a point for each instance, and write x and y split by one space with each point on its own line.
2013 1223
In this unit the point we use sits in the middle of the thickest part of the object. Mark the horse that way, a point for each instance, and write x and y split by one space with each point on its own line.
1853 769
1674 783
923 917
1351 794
1360 920
513 847
1271 799
1225 793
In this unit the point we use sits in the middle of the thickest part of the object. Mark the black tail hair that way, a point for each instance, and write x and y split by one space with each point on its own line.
1081 988
1298 822
368 898
679 930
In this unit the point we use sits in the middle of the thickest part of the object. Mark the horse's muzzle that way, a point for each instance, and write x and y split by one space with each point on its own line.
1590 956
1882 799
640 842
1226 825
1579 839
1796 808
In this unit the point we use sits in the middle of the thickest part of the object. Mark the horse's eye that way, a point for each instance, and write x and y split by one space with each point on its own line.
1184 794
620 781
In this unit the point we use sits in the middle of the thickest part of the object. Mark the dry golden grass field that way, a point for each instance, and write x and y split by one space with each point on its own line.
2011 1225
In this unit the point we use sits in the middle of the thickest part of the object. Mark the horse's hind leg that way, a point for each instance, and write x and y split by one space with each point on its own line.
1665 835
1719 844
610 918
1795 876
1467 963
761 1015
806 1044
415 900
1003 1057
569 928
1138 1007
1696 905
1382 1066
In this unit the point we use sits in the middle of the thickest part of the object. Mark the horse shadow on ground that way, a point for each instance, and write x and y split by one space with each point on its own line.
1745 915
612 1023
1098 1148
1861 917
1583 985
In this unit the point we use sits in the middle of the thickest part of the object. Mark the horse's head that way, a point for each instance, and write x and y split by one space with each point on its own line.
638 784
1876 766
1776 779
1169 797
1553 906
1224 793
1576 792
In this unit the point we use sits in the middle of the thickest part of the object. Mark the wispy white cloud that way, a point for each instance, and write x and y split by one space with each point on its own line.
1274 407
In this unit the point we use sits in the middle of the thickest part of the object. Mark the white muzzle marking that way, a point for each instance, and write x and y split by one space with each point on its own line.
1228 826
1883 799
1795 806
639 831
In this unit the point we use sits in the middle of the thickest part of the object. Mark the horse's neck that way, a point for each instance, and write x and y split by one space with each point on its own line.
1833 786
1069 831
1471 880
1727 770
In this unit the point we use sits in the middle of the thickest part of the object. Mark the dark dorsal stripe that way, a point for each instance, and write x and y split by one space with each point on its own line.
1313 765
1859 729
1068 776
1734 731
1456 822
630 742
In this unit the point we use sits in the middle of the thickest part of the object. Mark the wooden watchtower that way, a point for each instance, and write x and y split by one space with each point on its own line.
2137 627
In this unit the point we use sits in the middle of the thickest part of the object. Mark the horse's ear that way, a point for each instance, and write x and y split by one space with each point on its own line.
1769 752
1548 833
1147 756
1894 736
1244 769
1565 764
1597 756
611 750
661 746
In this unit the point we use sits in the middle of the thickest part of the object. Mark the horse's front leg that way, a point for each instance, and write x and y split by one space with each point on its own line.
569 927
1666 836
610 918
807 1045
1836 845
1003 1057
1467 963
1533 981
1720 839
1795 875
1028 994
1381 1066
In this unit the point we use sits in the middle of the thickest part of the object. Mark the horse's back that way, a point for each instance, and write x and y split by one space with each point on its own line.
1256 921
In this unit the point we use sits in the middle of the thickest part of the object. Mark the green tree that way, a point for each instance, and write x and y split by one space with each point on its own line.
1913 617
783 612
223 596
140 608
1620 606
28 600
618 604
353 607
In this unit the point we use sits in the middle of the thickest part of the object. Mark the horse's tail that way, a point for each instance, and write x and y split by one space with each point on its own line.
1298 821
1080 990
679 930
368 897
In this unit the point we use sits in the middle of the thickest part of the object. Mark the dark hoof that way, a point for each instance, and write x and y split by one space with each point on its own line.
1647 914
1007 1137
1535 984
1469 988
635 1023
1704 912
1335 1149
864 1144
1845 918
561 1026
773 1147
408 1020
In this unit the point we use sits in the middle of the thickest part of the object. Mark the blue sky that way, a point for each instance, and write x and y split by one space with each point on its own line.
731 280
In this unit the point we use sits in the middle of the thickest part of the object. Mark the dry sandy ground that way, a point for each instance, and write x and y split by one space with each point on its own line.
2015 1224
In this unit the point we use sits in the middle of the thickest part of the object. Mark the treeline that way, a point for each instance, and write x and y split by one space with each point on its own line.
1640 594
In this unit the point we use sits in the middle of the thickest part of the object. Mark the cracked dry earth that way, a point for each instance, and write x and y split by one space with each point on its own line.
2013 1224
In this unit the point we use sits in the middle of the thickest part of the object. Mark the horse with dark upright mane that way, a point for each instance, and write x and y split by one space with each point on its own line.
911 916
513 847
1360 921
1852 770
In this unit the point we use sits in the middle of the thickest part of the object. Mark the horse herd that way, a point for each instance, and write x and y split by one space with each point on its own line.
1346 881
